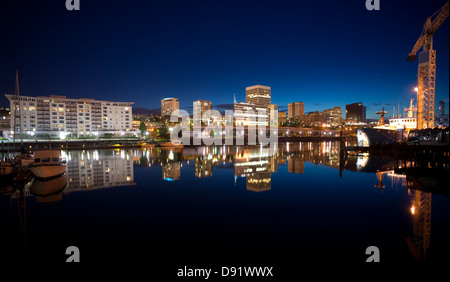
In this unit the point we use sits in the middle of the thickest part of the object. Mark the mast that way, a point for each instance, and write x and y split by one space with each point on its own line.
381 113
17 105
20 107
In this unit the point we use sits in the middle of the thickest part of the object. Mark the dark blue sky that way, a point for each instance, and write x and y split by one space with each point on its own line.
324 53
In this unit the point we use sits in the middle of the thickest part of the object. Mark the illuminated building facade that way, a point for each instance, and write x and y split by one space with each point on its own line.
168 105
248 114
258 95
296 109
74 117
334 116
200 107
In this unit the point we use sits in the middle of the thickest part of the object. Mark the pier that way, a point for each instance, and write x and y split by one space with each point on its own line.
77 144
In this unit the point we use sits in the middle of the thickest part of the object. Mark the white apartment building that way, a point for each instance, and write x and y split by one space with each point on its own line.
59 115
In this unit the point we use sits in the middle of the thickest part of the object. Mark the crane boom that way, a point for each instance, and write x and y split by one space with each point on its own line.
429 29
440 18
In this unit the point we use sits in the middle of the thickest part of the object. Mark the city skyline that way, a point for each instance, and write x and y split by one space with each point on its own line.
180 50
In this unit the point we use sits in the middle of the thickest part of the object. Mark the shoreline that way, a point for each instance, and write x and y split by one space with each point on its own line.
82 144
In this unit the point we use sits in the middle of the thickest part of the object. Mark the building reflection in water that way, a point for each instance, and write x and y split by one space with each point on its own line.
419 182
98 169
90 170
171 171
203 167
86 170
323 153
256 164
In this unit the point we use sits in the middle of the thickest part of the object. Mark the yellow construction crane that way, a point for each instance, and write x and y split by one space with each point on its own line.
426 77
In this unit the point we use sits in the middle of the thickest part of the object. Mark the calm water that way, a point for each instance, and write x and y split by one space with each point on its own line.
225 206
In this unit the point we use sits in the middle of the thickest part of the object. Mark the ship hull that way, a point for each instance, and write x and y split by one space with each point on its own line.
47 171
379 137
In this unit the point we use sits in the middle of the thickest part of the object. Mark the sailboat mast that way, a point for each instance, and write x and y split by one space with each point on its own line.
15 120
20 107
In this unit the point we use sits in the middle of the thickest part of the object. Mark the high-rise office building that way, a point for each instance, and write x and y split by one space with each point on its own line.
200 107
316 119
168 105
296 109
355 113
258 95
47 115
335 116
250 114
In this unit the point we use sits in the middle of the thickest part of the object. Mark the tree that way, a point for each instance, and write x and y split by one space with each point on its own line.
163 131
142 128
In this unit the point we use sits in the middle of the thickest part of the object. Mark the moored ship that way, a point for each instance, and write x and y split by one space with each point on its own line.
387 135
47 164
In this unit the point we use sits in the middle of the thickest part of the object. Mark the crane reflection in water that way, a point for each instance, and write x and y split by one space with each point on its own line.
107 169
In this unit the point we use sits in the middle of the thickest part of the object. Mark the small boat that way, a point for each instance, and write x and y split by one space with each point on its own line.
47 164
26 159
176 144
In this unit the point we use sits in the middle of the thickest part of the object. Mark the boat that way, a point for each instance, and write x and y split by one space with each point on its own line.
49 191
388 135
26 159
47 164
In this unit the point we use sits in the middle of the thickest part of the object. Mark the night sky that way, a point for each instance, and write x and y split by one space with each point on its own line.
324 53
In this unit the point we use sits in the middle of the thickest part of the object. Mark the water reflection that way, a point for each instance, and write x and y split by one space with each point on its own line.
49 191
90 170
255 163
420 180
100 169
203 167
419 242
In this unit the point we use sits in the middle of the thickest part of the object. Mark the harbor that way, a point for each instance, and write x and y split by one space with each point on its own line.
232 140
